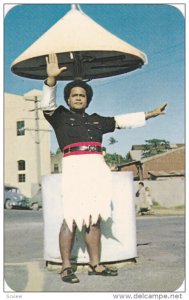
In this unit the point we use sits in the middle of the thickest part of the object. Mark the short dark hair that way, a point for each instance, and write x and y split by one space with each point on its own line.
78 83
141 183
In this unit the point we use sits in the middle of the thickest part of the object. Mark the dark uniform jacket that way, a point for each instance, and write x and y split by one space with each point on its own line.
73 127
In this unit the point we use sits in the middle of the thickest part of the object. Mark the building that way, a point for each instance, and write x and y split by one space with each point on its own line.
56 162
26 142
163 174
167 164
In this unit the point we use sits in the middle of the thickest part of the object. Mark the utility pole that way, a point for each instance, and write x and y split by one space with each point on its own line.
34 97
37 140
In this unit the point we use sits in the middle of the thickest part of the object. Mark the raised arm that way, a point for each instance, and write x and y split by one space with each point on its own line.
48 99
53 69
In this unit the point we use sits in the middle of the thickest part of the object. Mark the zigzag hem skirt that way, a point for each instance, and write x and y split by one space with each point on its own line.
86 189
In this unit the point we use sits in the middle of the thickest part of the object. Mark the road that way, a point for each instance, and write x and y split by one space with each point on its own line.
159 267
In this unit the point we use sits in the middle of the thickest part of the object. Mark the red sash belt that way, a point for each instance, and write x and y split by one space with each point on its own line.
82 148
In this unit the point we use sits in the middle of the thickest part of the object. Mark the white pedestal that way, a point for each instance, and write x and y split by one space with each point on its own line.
118 232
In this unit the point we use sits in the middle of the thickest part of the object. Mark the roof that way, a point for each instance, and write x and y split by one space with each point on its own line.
143 146
32 94
167 174
135 154
143 160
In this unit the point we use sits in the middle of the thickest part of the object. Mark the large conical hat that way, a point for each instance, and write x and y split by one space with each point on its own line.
83 46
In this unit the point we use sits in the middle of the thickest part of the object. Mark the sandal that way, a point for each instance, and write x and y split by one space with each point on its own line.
105 272
70 276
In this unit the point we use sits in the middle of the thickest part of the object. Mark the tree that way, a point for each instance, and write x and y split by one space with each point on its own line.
154 147
112 140
58 151
114 159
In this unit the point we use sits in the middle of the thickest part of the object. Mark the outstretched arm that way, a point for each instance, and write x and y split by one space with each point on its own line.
133 120
156 112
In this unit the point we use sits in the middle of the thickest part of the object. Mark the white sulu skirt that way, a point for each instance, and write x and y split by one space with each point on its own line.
86 189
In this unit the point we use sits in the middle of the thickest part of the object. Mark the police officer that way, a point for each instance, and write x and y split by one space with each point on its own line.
86 179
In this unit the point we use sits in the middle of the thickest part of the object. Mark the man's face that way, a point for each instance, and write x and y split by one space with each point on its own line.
77 98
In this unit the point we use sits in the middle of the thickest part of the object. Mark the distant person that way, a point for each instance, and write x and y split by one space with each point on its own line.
140 194
148 198
144 201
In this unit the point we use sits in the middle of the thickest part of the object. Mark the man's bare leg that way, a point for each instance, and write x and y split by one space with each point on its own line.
93 242
66 239
92 239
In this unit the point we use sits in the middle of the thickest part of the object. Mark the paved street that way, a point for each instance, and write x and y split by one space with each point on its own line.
159 267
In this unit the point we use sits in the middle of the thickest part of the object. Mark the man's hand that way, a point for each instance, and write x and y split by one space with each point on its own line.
156 112
53 69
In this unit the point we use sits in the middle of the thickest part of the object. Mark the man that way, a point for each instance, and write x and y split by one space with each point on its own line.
86 179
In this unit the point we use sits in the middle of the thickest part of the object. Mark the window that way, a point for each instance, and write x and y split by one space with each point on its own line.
56 169
20 128
21 165
21 177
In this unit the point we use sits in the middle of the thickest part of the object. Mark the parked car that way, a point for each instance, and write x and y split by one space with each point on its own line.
13 198
36 201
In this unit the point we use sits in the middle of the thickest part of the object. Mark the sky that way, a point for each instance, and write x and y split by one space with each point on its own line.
158 30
